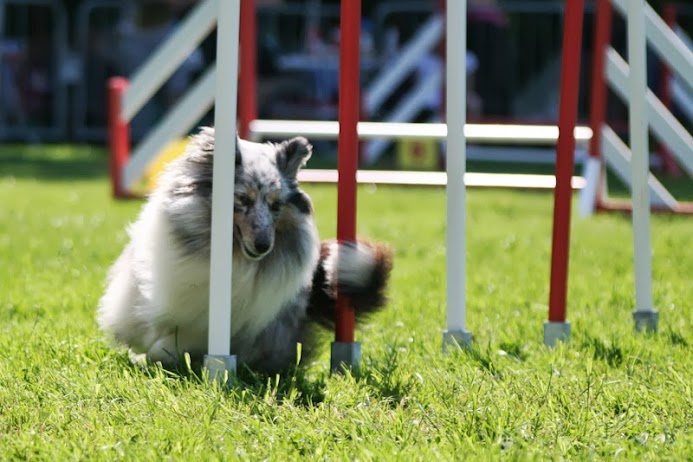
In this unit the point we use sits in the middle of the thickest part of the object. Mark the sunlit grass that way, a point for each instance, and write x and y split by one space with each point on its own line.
65 394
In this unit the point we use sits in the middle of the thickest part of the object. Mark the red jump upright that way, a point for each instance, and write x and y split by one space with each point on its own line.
598 93
247 85
557 328
118 135
344 350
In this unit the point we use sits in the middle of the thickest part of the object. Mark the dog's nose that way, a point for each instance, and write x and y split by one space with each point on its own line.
262 245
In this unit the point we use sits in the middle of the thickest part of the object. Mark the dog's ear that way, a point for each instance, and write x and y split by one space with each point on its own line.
292 155
239 159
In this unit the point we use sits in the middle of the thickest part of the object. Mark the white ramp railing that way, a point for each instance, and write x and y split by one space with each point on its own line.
682 98
678 56
406 110
151 76
619 157
662 123
178 121
393 75
664 41
168 57
681 94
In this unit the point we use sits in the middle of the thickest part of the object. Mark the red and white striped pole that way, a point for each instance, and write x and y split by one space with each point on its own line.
345 351
118 135
557 328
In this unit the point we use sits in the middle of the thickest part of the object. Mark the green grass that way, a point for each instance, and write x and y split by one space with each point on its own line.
610 393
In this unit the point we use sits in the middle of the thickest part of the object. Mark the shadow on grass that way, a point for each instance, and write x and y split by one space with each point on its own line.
53 162
289 386
382 375
487 358
675 338
386 379
609 352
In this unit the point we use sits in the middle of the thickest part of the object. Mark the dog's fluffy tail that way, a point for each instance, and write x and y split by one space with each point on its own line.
358 270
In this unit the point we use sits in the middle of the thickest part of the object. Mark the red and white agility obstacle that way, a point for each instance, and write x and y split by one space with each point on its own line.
646 113
345 351
610 70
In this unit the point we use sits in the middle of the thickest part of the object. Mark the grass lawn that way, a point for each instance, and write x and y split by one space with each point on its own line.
610 393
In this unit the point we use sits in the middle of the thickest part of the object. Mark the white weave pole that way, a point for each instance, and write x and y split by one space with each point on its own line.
219 361
645 316
456 89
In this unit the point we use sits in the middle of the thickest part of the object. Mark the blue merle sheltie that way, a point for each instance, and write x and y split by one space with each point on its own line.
284 280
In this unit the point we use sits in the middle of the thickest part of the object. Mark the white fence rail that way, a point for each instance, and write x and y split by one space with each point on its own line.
390 77
182 118
663 124
618 156
665 42
169 56
681 94
475 133
406 110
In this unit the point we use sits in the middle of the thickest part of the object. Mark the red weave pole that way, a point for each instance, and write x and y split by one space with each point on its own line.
247 97
118 135
668 163
348 144
565 153
598 90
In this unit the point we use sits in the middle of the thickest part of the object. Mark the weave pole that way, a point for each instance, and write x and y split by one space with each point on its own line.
219 361
247 103
645 316
455 114
557 328
345 351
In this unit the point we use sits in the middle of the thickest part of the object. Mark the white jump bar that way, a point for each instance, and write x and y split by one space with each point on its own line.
488 180
475 133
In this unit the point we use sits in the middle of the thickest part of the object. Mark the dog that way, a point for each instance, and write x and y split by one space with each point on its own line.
285 280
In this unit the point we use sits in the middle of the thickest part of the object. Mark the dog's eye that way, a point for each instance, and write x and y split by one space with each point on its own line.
276 206
244 200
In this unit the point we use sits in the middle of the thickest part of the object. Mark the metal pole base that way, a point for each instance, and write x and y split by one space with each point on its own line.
556 332
456 339
220 367
646 321
345 355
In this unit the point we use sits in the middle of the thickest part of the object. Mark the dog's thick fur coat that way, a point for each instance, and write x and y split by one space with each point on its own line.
285 280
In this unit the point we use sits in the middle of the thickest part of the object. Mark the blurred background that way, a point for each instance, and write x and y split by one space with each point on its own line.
56 55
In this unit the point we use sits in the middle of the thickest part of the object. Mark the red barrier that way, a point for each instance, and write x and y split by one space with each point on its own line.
118 135
598 90
247 97
348 145
565 153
